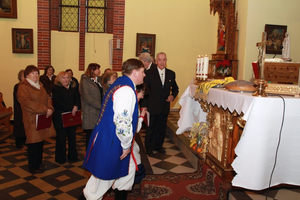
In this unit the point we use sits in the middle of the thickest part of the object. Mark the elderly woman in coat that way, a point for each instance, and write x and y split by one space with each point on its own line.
65 99
34 100
91 92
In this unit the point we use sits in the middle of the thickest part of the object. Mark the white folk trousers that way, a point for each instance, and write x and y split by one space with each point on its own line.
95 188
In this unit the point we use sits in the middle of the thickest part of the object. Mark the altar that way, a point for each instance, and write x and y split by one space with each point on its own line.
268 146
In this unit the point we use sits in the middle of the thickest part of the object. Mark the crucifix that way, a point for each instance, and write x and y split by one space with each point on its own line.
261 83
261 55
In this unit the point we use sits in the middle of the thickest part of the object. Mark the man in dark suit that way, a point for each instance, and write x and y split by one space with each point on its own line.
147 60
162 89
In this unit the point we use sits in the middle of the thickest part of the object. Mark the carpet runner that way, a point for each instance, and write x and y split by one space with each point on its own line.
203 184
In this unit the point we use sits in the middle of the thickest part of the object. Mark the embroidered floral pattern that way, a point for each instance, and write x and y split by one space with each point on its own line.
123 123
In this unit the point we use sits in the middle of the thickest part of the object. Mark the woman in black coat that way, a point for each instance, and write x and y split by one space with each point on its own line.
18 131
47 79
65 96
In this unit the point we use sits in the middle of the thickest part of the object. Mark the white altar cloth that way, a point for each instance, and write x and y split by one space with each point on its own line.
256 150
190 111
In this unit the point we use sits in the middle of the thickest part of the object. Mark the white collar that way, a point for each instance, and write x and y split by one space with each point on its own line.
37 84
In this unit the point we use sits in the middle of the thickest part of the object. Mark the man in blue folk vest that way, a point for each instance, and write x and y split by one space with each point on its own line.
108 155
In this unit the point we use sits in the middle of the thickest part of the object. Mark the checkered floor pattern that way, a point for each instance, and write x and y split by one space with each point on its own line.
66 181
57 182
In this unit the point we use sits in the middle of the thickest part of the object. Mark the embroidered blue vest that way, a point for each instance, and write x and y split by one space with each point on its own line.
102 157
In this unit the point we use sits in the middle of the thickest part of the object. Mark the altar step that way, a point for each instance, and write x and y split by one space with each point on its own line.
181 141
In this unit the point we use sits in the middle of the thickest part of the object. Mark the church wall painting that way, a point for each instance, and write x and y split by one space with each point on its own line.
145 43
22 40
275 36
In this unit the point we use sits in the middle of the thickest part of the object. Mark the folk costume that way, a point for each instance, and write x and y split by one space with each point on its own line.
114 131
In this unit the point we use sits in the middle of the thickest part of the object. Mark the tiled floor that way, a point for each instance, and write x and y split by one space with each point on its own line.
66 181
171 162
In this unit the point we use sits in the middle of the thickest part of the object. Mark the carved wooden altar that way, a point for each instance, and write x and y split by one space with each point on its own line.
227 32
225 131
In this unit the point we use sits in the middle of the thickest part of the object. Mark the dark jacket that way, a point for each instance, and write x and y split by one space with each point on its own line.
157 94
18 130
47 83
76 81
64 100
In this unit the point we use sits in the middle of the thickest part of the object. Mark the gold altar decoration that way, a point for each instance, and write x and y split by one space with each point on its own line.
283 89
225 130
261 85
224 134
198 138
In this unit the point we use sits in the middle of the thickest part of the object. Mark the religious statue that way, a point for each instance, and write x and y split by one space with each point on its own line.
221 36
286 47
215 136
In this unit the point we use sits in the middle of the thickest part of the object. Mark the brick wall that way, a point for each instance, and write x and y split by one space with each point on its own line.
110 16
48 21
82 35
44 34
54 14
118 33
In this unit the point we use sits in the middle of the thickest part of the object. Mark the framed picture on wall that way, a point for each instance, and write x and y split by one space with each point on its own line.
275 37
145 43
8 9
22 40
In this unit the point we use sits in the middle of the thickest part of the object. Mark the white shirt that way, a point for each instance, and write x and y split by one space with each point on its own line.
124 100
162 74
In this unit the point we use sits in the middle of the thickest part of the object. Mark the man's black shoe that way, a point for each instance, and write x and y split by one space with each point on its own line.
161 150
150 153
